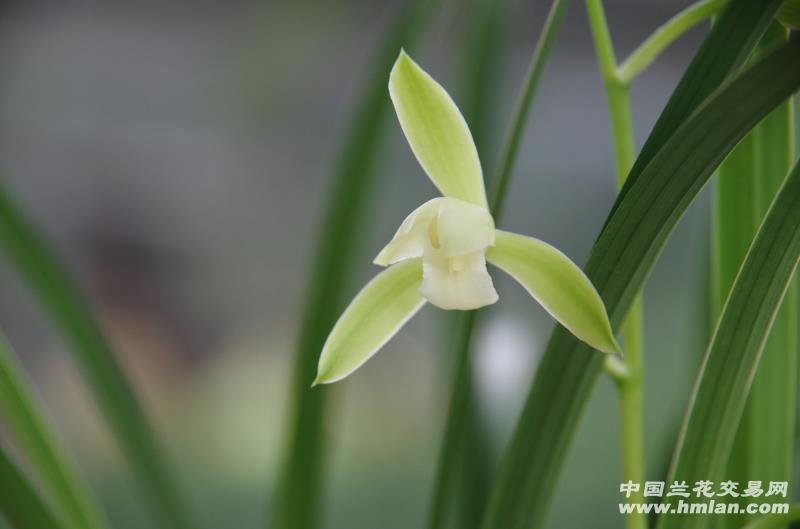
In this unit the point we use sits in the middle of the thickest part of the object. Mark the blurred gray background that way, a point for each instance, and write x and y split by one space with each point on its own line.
179 153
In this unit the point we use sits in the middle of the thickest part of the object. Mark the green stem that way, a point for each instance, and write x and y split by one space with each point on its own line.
455 447
646 53
37 441
461 397
629 386
461 482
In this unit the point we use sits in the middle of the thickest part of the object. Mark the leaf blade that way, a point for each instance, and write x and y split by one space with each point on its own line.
35 438
300 484
752 174
634 234
735 34
730 363
20 503
59 296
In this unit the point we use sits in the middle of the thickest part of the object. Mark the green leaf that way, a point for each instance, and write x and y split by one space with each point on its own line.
632 238
747 183
300 486
730 363
662 37
735 33
38 442
508 158
28 250
374 316
437 132
20 504
558 284
789 14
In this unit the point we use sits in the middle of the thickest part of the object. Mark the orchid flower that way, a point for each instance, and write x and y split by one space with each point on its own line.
439 253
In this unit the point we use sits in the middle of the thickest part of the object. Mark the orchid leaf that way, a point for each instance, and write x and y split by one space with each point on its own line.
375 315
437 132
733 356
38 442
61 298
557 284
635 232
298 498
20 503
746 185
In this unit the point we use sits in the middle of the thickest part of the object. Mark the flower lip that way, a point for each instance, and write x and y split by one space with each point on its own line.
457 283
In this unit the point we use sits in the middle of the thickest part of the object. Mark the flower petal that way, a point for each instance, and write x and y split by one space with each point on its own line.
462 228
382 307
437 132
409 241
453 226
461 283
558 284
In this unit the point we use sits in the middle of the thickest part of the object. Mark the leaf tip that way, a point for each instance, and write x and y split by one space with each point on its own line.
608 344
401 67
614 349
324 376
403 56
382 259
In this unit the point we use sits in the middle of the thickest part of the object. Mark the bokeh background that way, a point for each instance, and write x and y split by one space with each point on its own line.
179 156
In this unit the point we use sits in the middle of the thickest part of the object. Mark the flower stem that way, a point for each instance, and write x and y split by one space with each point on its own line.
462 399
630 385
463 470
644 55
460 442
628 375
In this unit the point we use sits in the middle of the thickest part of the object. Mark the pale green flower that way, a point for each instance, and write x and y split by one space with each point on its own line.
440 251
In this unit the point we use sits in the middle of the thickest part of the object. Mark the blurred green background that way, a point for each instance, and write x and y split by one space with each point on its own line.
178 155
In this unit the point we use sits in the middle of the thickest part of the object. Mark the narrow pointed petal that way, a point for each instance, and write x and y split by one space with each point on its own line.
437 132
457 283
382 307
558 285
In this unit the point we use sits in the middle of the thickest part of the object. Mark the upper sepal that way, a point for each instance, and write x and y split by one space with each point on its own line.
437 132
